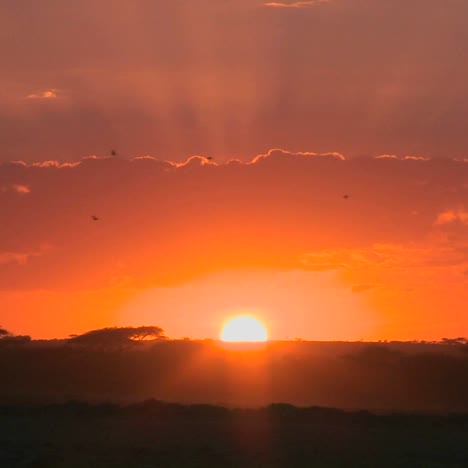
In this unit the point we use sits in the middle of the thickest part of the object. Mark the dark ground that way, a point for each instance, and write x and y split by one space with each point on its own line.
390 377
400 384
153 434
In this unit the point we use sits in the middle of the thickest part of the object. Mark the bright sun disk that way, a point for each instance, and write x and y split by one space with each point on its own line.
244 328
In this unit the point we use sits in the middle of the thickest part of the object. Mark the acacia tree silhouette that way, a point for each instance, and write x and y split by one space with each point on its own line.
7 338
454 341
117 337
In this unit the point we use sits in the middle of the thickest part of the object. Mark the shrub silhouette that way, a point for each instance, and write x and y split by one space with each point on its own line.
15 339
6 338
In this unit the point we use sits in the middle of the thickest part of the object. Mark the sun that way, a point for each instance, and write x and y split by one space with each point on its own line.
244 328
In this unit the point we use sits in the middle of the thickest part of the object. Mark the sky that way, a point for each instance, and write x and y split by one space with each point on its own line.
239 126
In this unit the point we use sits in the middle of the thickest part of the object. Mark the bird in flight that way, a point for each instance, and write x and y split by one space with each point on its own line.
346 197
94 218
113 153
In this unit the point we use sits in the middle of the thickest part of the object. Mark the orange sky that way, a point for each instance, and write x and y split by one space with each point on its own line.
366 98
185 246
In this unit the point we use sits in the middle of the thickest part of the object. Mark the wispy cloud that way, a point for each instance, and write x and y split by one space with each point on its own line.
46 94
22 189
452 216
18 188
21 258
403 158
300 4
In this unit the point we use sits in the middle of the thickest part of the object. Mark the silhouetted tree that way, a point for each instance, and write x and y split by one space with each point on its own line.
117 337
6 338
14 340
462 340
454 341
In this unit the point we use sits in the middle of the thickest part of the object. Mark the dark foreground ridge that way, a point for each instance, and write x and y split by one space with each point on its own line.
119 365
157 434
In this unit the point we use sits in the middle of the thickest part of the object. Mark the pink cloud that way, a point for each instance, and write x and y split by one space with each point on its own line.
18 188
452 216
21 258
299 4
403 158
22 189
44 95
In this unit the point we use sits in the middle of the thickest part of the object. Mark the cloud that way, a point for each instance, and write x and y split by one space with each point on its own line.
389 257
44 95
194 161
22 189
282 155
452 216
430 252
20 258
13 257
300 4
18 188
403 158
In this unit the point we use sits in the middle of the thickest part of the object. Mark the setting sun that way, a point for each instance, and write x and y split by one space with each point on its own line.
244 328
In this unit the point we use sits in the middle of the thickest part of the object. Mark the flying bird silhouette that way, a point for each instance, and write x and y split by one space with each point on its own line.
113 153
94 218
346 197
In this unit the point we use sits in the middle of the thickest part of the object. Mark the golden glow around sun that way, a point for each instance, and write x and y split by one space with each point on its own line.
244 328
